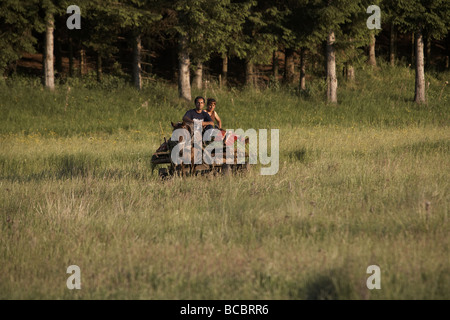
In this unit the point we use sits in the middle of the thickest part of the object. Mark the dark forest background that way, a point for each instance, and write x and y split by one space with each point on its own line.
227 42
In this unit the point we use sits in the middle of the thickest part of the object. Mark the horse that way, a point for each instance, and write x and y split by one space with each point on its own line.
190 129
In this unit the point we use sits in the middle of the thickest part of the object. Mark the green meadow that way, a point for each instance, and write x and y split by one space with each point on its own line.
365 182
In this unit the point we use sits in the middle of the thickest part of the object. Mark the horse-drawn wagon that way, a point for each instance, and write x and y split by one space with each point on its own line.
226 153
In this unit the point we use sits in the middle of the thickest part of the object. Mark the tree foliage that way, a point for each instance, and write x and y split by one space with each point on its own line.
249 30
17 21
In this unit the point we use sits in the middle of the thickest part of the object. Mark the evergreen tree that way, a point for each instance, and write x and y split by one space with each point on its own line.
50 9
356 36
390 17
368 4
17 20
230 43
328 17
423 16
204 27
136 17
299 32
100 30
258 39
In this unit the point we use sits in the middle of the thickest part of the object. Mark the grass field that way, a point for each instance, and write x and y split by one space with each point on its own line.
362 183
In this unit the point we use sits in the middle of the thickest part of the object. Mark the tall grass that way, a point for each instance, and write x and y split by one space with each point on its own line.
361 183
380 99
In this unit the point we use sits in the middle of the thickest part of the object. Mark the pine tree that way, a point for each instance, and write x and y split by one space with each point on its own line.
355 36
204 27
135 18
420 17
17 20
50 9
100 30
297 32
260 36
328 17
390 17
228 19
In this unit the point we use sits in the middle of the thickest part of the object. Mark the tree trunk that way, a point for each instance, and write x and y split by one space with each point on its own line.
70 58
2 75
249 76
99 67
275 65
447 52
331 69
175 64
349 69
58 56
350 72
184 84
413 46
289 66
372 60
82 62
137 53
428 62
198 76
48 61
224 70
303 69
420 72
392 48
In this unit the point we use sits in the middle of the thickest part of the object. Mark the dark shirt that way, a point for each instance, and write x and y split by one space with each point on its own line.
192 114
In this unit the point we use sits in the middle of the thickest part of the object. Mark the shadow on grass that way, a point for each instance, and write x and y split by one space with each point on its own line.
303 155
331 285
424 147
323 287
69 166
76 172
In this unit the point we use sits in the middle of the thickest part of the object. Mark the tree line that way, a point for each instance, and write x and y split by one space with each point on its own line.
251 30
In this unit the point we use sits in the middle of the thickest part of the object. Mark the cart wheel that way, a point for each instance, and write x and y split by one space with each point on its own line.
163 174
226 169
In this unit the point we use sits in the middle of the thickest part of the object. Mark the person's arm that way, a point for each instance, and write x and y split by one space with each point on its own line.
207 123
207 120
186 119
219 122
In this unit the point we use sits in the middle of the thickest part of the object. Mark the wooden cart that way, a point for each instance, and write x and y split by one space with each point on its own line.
166 167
